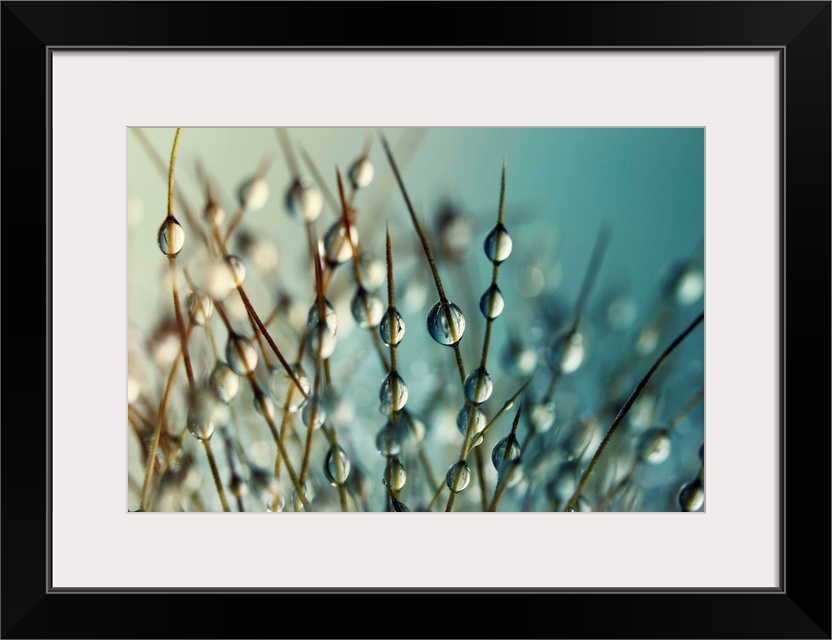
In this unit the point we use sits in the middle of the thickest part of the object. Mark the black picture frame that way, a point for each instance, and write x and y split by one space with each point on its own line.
799 31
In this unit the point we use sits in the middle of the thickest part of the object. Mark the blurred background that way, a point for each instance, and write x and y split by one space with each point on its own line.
645 186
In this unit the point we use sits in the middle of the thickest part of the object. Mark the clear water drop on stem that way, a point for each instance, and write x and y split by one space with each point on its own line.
320 338
541 416
224 382
391 327
464 415
389 439
518 360
313 413
335 475
337 248
458 476
506 450
171 237
213 214
280 383
567 353
478 386
331 319
367 309
654 446
361 173
394 474
200 307
492 302
445 323
253 194
202 412
498 244
240 354
692 496
393 393
304 201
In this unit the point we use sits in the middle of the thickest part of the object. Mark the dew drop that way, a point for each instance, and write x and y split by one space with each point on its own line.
498 244
463 416
391 327
337 249
331 467
201 413
654 446
506 450
264 405
367 309
458 484
330 320
361 173
446 324
567 352
692 496
518 360
389 439
685 284
322 336
400 506
304 201
200 307
492 302
393 393
171 237
394 474
224 382
214 214
454 233
478 386
237 273
254 194
241 356
541 416
313 406
281 383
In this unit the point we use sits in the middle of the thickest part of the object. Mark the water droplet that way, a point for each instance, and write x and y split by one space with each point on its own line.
361 173
458 484
565 481
692 496
478 386
337 249
331 467
254 194
330 321
463 415
171 237
224 382
685 284
393 393
394 474
339 408
313 405
400 506
280 383
518 360
323 336
621 313
214 214
446 324
200 307
308 493
373 272
654 446
390 439
541 416
257 249
492 302
304 201
201 414
391 327
498 244
567 352
506 450
367 309
241 356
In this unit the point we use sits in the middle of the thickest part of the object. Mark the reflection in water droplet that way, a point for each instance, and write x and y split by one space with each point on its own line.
446 324
498 244
458 484
492 302
391 327
171 237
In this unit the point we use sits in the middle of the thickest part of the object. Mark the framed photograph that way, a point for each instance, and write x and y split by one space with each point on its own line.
623 192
